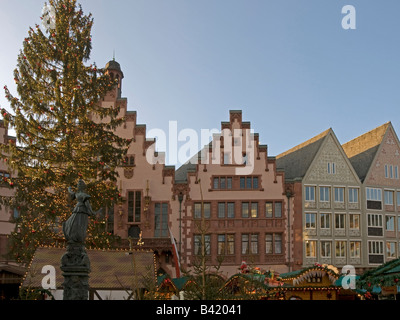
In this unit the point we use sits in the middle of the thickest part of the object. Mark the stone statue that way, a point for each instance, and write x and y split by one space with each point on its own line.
75 227
75 262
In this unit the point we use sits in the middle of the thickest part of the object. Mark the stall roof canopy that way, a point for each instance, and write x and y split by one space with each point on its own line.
110 269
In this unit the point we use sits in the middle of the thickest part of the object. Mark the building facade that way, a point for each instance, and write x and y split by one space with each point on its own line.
375 156
235 198
328 219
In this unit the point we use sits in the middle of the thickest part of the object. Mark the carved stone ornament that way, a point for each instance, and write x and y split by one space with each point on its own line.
128 172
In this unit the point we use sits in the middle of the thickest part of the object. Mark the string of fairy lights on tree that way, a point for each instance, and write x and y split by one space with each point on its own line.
57 139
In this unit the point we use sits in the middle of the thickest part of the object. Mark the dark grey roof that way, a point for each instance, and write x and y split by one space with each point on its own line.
297 160
362 162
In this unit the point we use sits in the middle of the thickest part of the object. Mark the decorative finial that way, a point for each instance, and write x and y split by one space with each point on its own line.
114 55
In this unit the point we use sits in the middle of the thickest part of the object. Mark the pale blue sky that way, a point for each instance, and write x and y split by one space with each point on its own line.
288 64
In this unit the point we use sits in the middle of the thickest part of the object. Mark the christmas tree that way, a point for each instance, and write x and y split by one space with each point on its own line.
62 132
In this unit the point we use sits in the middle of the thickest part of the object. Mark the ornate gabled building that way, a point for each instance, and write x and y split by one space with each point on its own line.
145 184
375 156
235 198
327 205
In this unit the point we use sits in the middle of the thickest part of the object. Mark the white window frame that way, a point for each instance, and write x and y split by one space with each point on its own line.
375 247
306 222
305 193
351 194
352 216
326 247
331 168
373 194
342 248
313 248
391 249
322 195
342 218
392 224
374 220
325 220
389 198
355 248
341 196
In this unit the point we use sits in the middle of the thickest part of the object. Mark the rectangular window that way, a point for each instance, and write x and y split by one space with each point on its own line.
375 247
216 183
331 168
324 194
268 209
134 206
254 210
375 220
245 244
206 208
340 220
310 220
391 172
254 243
389 197
249 182
398 198
278 210
161 220
229 182
198 244
353 195
250 243
325 220
354 221
310 193
245 209
221 244
325 249
311 248
389 223
231 210
355 249
374 194
255 182
340 249
339 194
242 182
222 183
221 210
278 243
269 243
230 244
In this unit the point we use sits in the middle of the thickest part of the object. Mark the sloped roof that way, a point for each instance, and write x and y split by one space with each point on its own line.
297 160
361 151
110 269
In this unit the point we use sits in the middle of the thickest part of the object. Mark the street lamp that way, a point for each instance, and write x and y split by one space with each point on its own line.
180 199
